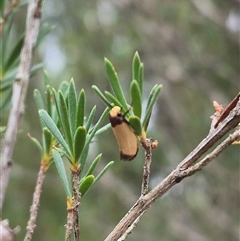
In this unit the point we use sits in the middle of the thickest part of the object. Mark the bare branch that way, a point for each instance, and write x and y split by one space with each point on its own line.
19 93
34 208
184 169
146 168
206 160
73 217
216 134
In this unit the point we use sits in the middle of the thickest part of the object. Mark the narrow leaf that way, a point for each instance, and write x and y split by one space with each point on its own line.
101 95
90 136
72 106
35 141
55 110
113 99
6 84
141 77
79 142
47 80
86 184
49 99
103 129
38 99
90 118
135 123
62 172
151 101
135 66
93 165
114 81
136 98
83 158
44 30
65 121
5 100
14 55
81 109
47 141
54 130
103 171
64 88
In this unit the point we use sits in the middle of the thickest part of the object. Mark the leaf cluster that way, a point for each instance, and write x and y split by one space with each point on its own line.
68 132
138 120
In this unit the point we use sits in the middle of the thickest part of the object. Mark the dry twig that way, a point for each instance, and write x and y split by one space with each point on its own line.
19 93
34 208
184 169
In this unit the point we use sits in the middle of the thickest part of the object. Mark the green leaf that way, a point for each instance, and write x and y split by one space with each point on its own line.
86 184
113 99
101 95
14 55
72 106
90 136
103 171
141 77
62 172
38 99
96 127
135 66
90 118
6 38
47 80
151 101
2 4
65 121
8 79
49 99
81 108
35 141
43 32
135 123
83 158
5 100
6 84
136 98
57 103
93 165
79 142
47 141
117 89
103 129
64 88
54 130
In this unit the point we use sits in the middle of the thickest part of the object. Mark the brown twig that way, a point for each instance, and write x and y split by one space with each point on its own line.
146 168
72 217
183 170
34 208
77 197
19 93
206 160
214 135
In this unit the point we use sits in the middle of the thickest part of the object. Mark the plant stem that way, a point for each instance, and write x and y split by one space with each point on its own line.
35 204
19 93
183 170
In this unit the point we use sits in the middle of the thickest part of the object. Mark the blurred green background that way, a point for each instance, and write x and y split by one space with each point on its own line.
192 49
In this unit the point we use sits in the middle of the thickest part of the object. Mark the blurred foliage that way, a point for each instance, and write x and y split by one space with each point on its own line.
192 49
10 50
